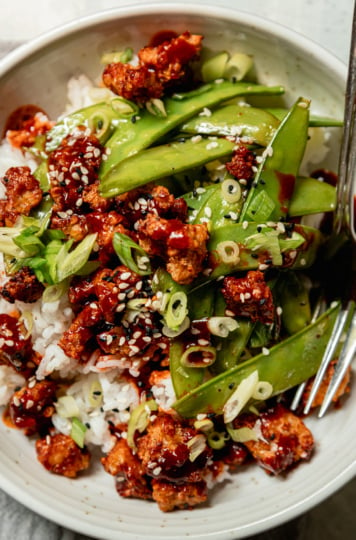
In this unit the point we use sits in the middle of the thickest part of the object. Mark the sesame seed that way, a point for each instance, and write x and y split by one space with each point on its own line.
203 342
120 308
137 334
262 267
265 351
156 471
146 339
125 275
229 313
122 341
244 225
279 310
79 202
208 211
109 339
123 285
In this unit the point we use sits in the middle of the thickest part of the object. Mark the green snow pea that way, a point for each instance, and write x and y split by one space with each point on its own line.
185 378
143 129
257 124
314 119
272 189
293 297
288 363
310 196
161 161
258 244
217 204
230 348
100 118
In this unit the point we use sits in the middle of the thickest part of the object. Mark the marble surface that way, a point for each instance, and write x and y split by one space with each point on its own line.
327 22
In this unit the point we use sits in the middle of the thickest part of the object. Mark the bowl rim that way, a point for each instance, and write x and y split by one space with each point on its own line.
302 43
305 44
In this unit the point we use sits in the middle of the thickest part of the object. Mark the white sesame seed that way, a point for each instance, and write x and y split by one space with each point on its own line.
120 308
121 341
123 285
203 342
265 351
137 334
263 267
125 275
244 224
208 211
156 471
279 310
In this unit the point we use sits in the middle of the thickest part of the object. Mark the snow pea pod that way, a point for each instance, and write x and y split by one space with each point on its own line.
314 119
272 189
288 363
257 124
230 348
214 204
310 196
294 300
185 378
143 129
261 244
100 118
161 161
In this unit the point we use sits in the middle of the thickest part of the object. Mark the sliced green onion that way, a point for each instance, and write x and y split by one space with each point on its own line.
196 445
260 208
95 394
241 435
204 425
266 242
176 310
78 432
238 66
217 439
131 254
124 107
117 56
231 190
214 68
52 293
156 107
221 326
166 331
67 407
263 391
240 397
228 252
198 356
99 122
74 261
139 420
29 242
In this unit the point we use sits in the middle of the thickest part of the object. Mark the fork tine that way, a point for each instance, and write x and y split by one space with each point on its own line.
320 307
346 356
333 342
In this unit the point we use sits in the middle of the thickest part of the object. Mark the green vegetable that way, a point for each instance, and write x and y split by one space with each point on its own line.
310 196
314 120
160 161
144 129
288 363
234 120
78 432
273 185
139 420
131 254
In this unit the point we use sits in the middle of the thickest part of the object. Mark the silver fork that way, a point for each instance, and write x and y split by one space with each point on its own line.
344 219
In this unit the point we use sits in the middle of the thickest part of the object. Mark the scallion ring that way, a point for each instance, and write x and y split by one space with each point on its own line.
228 252
139 420
262 391
124 107
221 326
100 124
198 356
241 435
176 310
231 190
169 332
217 439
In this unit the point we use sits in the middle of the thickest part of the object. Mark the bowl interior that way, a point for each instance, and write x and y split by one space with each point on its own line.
252 501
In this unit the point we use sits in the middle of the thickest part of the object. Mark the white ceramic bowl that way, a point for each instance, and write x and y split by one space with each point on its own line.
37 73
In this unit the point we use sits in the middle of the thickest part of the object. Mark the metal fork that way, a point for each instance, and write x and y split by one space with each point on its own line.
344 220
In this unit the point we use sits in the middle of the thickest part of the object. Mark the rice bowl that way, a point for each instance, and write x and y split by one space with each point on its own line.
165 527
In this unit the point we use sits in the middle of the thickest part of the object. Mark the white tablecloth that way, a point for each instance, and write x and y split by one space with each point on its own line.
327 22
